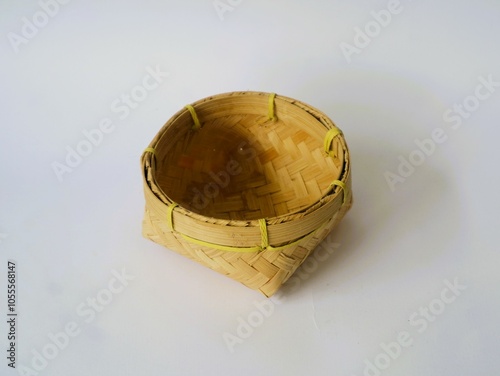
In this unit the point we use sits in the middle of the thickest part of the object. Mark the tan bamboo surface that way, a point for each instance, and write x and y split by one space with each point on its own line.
245 184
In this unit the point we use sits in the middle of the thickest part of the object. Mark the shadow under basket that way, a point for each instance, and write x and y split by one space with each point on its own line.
247 184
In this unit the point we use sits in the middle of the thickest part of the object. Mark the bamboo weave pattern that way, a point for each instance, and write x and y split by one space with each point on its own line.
247 184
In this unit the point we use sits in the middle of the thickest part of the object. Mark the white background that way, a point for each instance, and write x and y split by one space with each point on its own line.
396 249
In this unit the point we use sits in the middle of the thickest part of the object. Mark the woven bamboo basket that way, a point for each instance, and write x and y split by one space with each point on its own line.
247 184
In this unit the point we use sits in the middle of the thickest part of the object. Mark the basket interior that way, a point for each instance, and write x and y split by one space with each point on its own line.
242 166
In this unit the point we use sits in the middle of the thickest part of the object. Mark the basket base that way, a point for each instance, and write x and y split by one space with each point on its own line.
264 271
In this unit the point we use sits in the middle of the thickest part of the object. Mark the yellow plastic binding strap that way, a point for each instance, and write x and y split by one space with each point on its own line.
264 246
340 184
221 247
197 124
271 110
263 233
255 248
150 150
330 136
170 216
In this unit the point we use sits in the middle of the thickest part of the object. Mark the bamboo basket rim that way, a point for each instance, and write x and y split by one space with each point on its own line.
305 219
